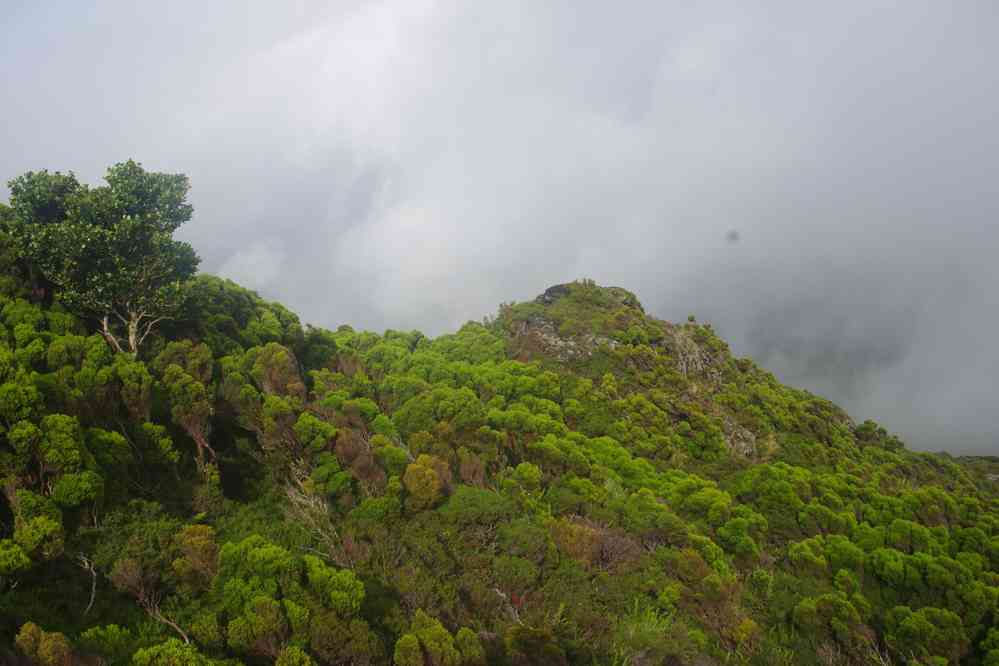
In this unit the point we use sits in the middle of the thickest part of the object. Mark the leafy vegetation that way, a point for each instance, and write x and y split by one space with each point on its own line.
569 482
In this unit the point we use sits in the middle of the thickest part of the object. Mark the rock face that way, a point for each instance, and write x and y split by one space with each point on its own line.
552 294
540 334
691 357
739 440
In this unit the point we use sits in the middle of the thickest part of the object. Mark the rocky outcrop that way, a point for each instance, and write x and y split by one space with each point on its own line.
622 296
539 335
552 294
739 440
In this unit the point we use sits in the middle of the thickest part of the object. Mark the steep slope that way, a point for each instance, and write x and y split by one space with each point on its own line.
684 368
572 481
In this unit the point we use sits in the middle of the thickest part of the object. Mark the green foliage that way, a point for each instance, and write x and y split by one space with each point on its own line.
469 506
43 647
12 558
423 483
114 643
927 632
470 647
315 434
294 656
172 652
109 249
329 476
71 490
337 640
436 641
341 589
40 537
230 319
570 482
408 652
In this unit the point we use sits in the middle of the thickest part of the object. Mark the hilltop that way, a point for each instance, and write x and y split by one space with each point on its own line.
570 481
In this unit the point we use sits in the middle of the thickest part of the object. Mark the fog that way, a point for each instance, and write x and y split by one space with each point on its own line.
818 180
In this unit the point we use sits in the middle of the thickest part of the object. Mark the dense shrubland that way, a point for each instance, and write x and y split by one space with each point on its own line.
569 482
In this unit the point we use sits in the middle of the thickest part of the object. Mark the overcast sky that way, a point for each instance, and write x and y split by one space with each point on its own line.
411 164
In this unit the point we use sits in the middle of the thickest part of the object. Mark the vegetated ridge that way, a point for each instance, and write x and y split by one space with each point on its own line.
191 476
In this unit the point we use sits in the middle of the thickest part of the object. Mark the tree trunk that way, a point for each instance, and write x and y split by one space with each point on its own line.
153 610
202 443
88 565
108 335
133 332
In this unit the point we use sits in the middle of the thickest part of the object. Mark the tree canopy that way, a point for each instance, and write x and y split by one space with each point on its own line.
110 249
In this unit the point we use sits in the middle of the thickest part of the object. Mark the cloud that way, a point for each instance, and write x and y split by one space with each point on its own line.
412 164
256 266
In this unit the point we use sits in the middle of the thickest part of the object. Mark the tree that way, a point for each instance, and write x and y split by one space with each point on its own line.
928 631
199 551
437 642
265 388
470 647
340 590
137 547
408 652
171 652
422 483
262 629
12 558
186 369
109 249
41 198
44 647
112 642
338 640
294 656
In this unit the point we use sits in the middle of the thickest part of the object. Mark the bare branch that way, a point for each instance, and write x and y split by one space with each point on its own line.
153 609
149 328
509 607
313 512
109 336
88 565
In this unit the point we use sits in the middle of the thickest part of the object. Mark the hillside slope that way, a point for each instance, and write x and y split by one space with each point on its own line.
570 482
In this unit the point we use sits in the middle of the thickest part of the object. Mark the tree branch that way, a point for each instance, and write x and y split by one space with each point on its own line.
108 335
152 605
149 328
88 565
156 614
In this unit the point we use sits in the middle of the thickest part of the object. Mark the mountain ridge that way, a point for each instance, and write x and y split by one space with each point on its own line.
196 477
